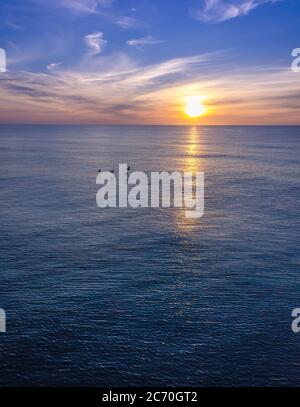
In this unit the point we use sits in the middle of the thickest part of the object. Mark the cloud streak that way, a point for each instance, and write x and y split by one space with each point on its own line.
223 10
128 22
149 40
85 6
119 91
53 66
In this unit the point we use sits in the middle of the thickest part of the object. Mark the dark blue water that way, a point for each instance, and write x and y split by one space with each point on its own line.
147 297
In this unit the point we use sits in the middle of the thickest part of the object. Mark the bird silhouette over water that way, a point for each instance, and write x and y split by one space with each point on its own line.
112 171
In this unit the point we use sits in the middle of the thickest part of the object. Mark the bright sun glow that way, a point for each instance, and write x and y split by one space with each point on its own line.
194 106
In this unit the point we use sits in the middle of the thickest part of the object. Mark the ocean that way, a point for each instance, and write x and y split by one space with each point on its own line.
147 297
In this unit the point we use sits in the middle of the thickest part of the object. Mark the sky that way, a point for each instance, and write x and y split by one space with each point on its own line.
139 61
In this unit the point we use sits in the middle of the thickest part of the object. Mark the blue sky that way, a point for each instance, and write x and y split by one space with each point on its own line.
136 61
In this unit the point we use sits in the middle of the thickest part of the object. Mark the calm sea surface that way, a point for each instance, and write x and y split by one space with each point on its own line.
146 297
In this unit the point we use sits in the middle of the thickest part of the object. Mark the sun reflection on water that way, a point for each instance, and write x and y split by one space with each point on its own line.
192 150
192 163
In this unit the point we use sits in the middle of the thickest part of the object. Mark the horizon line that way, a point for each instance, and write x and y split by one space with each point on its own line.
150 125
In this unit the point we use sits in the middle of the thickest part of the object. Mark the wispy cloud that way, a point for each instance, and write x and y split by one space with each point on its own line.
149 40
128 22
12 25
53 66
85 6
70 96
95 42
112 10
222 10
119 90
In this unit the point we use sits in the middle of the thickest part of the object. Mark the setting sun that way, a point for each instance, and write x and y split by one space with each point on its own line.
194 106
